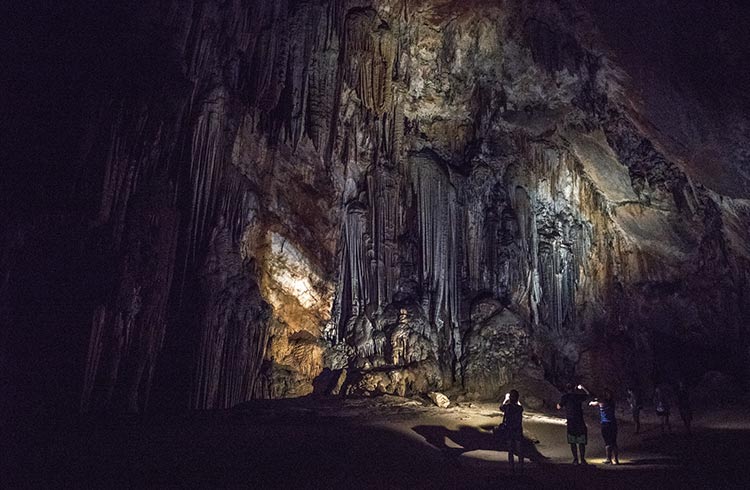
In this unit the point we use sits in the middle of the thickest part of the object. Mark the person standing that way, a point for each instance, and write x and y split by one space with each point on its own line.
513 422
608 420
661 404
684 405
634 401
571 401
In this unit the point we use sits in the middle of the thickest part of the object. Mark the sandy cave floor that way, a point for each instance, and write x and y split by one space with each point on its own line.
387 442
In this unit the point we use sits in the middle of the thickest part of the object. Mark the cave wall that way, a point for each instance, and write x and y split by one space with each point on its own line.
429 194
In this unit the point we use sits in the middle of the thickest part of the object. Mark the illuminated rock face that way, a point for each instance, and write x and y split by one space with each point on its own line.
431 194
302 302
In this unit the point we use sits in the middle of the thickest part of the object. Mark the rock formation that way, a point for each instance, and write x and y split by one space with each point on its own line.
432 195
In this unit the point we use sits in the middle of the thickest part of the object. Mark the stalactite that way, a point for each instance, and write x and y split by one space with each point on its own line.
128 331
383 203
370 51
207 165
557 242
437 222
357 265
234 327
304 24
93 358
262 31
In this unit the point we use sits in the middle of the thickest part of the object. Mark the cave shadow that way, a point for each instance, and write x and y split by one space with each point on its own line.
294 443
473 438
261 449
324 383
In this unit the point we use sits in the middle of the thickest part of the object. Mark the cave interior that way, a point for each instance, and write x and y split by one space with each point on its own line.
211 203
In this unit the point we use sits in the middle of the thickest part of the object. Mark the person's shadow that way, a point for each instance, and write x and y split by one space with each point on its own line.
472 438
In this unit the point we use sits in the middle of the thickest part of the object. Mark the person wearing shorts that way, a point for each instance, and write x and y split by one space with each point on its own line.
577 432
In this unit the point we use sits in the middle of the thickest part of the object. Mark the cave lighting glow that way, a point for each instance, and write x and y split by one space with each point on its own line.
292 272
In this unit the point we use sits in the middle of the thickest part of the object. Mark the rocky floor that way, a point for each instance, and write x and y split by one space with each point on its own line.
383 443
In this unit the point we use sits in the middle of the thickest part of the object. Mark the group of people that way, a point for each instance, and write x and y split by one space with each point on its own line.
662 407
572 402
577 432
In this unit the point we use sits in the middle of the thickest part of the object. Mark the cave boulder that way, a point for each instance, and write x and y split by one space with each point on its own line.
401 381
439 399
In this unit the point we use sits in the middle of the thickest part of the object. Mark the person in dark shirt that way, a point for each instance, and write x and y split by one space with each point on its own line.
513 422
577 432
636 405
684 405
608 420
661 404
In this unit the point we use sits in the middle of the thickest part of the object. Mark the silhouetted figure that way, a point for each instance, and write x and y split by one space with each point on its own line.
636 405
577 431
684 405
608 420
513 422
661 404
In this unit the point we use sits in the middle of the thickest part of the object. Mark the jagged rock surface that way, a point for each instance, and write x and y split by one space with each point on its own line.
430 194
